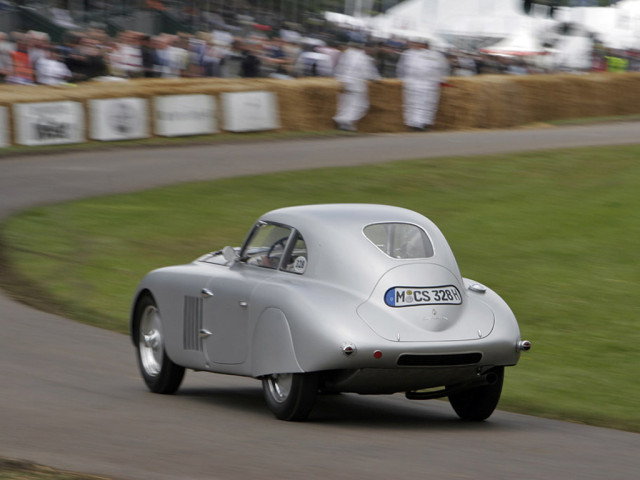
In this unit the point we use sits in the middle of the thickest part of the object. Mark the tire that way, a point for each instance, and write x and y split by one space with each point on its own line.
158 371
478 403
290 396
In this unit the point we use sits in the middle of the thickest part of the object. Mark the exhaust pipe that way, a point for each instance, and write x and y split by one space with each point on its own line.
490 378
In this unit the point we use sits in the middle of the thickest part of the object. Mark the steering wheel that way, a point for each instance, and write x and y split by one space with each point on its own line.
280 242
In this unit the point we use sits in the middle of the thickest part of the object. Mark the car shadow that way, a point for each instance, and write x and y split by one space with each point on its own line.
244 399
392 412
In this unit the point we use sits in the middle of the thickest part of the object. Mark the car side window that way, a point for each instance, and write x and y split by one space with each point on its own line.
400 240
296 260
266 245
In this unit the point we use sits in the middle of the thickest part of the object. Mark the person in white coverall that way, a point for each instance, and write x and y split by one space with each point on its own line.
422 71
354 70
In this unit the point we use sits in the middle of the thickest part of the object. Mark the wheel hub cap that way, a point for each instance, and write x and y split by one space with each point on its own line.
280 386
151 343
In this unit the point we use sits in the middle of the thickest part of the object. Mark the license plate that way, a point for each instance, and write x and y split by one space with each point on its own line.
416 296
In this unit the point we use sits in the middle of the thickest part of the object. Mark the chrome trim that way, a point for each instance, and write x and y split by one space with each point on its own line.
204 333
523 346
349 349
280 386
206 293
476 287
151 343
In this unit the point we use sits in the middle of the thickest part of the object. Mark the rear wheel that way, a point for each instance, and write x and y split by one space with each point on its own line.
160 374
290 396
478 403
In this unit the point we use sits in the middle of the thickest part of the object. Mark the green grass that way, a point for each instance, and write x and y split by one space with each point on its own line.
21 470
556 233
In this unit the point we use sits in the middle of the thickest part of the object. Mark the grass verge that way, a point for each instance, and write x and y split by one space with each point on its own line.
21 470
218 138
555 233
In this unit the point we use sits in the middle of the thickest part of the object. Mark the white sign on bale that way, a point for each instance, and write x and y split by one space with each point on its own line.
119 118
178 115
4 128
250 111
49 123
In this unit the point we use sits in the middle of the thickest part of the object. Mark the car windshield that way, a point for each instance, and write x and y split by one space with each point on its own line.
400 240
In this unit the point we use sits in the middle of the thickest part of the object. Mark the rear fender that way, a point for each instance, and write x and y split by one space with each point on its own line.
272 345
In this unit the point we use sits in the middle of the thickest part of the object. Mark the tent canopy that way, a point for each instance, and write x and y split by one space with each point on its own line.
521 44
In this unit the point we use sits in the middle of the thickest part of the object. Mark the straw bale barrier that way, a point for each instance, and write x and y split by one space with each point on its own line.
486 101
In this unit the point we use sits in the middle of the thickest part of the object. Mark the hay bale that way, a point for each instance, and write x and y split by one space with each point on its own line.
458 102
385 111
622 93
499 98
540 96
589 95
308 104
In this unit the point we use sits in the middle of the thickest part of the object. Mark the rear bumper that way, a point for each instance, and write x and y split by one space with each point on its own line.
374 381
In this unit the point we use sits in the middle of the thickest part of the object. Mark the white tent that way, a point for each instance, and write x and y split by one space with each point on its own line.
345 20
485 21
491 18
406 22
522 43
617 26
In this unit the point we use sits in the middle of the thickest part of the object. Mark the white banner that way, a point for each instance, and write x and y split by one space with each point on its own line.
177 115
49 123
250 111
4 128
119 118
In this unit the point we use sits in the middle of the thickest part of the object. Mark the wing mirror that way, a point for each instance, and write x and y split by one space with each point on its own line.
229 254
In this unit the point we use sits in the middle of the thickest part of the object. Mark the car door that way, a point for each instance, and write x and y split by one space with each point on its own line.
226 314
227 309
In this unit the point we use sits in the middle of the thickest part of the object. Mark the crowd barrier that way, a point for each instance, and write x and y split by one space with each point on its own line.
108 111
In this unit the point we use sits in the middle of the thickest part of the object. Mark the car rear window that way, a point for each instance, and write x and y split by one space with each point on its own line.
400 240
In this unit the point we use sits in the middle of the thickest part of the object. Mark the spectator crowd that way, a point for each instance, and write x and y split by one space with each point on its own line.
31 58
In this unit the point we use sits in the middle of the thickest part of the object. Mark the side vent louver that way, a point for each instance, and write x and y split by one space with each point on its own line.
192 323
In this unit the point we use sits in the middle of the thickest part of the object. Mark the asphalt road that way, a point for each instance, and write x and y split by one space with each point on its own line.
71 396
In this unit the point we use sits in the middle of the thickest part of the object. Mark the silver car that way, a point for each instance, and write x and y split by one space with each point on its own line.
330 298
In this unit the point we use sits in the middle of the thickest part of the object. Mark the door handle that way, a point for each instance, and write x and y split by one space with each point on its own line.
206 293
204 333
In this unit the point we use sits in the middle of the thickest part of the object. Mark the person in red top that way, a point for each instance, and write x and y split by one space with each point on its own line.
22 70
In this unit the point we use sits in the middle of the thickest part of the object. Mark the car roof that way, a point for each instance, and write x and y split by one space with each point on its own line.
333 214
338 247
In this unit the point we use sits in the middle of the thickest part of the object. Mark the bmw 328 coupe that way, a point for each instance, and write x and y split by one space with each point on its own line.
330 298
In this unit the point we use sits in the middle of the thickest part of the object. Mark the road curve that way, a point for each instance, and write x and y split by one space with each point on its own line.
71 396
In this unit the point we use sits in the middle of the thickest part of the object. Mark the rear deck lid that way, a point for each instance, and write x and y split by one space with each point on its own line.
423 302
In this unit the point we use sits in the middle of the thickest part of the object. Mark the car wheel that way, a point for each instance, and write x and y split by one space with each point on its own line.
160 374
478 403
290 396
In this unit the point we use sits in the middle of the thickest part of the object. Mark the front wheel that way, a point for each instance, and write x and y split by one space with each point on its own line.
290 396
478 403
160 374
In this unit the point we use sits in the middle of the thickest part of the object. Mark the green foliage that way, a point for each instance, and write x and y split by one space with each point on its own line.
555 233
